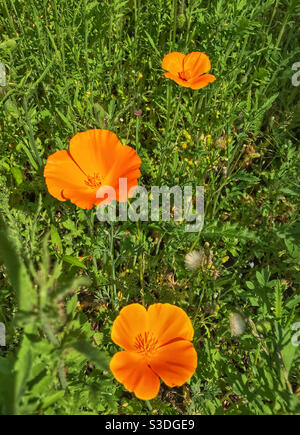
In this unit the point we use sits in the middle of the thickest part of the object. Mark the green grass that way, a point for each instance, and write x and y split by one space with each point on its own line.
75 65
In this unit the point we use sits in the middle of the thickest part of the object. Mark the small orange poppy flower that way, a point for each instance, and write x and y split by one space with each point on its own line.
188 70
95 158
157 343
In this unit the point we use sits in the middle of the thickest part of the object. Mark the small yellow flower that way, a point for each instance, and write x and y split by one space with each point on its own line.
187 135
229 140
88 93
190 162
140 75
184 145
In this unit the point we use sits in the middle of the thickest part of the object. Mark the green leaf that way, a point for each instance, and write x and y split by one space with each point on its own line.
55 238
22 370
72 304
73 261
278 300
17 174
12 109
53 398
250 285
285 345
152 44
17 272
92 354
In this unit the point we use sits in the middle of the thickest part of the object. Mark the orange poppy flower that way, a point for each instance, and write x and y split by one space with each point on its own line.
188 70
157 344
95 158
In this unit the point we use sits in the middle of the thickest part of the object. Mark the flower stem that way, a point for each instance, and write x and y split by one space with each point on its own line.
113 271
137 129
169 97
174 22
196 240
141 263
149 406
91 220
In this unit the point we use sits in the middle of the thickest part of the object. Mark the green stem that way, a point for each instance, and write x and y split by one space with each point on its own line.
136 16
113 271
174 23
137 128
141 263
169 97
178 106
149 406
196 240
91 220
285 21
86 34
29 130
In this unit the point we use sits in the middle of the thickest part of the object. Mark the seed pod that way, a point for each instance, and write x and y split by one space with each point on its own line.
181 20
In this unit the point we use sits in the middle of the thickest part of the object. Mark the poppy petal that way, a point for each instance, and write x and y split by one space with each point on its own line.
84 198
173 62
177 79
196 62
132 370
169 323
61 172
175 363
131 321
125 164
94 150
202 81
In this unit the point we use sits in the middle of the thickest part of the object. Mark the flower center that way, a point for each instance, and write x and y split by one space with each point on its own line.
145 343
94 182
185 75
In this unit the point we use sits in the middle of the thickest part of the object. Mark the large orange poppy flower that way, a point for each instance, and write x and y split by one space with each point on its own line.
157 344
95 158
188 70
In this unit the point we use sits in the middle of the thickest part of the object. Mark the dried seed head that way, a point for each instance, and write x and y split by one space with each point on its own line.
237 324
193 260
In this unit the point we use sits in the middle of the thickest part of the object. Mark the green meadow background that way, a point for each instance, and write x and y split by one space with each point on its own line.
76 65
